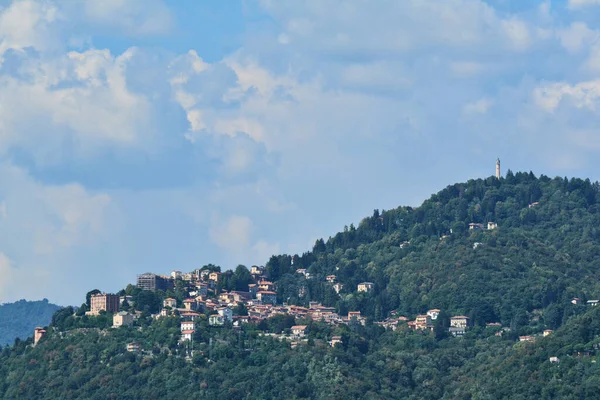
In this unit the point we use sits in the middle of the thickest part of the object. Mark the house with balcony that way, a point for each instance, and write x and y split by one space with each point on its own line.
423 322
459 325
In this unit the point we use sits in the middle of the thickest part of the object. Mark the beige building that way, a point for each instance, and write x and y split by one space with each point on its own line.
335 340
460 321
133 347
299 330
122 319
104 302
267 286
190 304
365 287
170 302
423 322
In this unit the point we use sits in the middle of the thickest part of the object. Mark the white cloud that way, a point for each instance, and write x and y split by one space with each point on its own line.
82 96
265 250
232 233
9 276
388 76
43 225
235 125
360 28
517 33
582 95
28 23
575 4
577 36
53 216
592 64
133 17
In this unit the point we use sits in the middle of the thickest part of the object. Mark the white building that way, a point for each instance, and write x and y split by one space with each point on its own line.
186 335
188 326
433 313
176 274
338 287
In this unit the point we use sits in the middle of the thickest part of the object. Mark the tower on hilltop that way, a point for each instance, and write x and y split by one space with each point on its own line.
498 168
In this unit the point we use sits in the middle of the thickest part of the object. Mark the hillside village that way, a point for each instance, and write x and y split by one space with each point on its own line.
486 276
203 298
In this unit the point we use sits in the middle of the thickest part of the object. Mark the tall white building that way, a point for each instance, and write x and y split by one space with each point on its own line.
498 168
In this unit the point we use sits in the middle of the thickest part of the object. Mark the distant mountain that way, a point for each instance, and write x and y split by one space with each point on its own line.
17 320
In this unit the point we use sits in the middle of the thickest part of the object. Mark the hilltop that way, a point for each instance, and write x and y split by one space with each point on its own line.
18 319
486 290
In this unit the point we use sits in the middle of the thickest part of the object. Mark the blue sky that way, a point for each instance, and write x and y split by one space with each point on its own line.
157 135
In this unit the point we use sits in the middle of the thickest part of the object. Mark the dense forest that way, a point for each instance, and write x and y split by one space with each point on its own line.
518 279
18 319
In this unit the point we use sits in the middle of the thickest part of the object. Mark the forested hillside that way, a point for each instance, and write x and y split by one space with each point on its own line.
543 253
532 271
17 320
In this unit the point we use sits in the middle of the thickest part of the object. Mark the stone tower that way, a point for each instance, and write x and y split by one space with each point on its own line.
498 168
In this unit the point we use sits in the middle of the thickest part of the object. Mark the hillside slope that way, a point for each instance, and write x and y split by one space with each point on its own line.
542 253
519 277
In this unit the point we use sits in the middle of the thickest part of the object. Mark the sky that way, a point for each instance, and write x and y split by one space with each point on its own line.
154 135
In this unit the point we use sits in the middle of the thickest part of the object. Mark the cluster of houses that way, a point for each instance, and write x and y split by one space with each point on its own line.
458 324
259 302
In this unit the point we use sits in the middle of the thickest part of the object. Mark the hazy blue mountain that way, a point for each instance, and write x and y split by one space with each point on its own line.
18 319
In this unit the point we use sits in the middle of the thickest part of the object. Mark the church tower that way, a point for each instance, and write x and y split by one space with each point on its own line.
498 168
